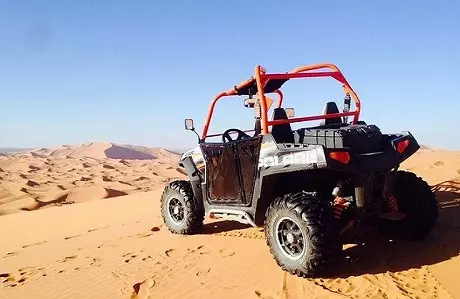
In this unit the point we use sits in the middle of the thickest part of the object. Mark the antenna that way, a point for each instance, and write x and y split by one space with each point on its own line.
346 106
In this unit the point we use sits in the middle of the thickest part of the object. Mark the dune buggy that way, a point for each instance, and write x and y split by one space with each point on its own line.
306 186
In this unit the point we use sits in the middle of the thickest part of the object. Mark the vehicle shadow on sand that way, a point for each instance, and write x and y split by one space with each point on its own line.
376 253
379 254
223 227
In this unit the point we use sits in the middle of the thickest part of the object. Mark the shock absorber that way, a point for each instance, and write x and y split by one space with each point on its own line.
339 204
392 203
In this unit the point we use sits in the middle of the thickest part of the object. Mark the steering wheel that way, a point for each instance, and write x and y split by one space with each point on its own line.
241 135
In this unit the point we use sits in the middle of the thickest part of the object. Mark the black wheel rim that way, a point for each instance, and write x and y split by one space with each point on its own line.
290 238
176 210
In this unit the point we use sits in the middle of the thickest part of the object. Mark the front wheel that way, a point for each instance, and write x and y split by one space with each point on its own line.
178 209
301 233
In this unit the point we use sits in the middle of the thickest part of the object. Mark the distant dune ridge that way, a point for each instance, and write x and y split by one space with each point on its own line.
37 178
97 150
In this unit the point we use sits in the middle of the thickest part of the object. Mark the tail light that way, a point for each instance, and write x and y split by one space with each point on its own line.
343 157
402 145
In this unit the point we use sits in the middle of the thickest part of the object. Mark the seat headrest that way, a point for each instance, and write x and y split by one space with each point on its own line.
279 113
282 133
331 108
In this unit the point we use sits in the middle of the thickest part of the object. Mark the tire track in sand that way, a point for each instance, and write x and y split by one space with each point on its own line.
412 283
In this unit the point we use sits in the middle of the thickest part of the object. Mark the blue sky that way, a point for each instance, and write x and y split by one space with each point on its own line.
131 71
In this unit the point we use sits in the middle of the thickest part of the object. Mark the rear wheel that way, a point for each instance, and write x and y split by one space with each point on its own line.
178 209
415 199
300 231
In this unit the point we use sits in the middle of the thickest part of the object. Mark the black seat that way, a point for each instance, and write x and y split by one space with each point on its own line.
282 133
331 108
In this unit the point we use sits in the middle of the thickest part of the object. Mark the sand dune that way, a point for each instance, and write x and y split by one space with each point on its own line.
98 150
40 178
119 248
436 165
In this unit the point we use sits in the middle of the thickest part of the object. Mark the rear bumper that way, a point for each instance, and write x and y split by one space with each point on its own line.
376 162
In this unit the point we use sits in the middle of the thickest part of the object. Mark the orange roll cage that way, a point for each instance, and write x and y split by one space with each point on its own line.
263 83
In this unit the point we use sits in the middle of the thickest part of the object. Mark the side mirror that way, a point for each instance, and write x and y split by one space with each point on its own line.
189 124
290 112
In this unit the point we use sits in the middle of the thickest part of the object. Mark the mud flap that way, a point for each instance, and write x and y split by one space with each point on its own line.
195 180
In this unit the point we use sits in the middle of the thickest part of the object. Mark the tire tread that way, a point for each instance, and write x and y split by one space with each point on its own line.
194 218
322 237
415 198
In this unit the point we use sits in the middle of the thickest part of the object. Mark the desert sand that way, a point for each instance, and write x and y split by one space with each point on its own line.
41 178
84 222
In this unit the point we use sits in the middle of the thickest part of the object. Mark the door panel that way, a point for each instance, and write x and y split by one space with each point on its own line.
222 177
248 155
